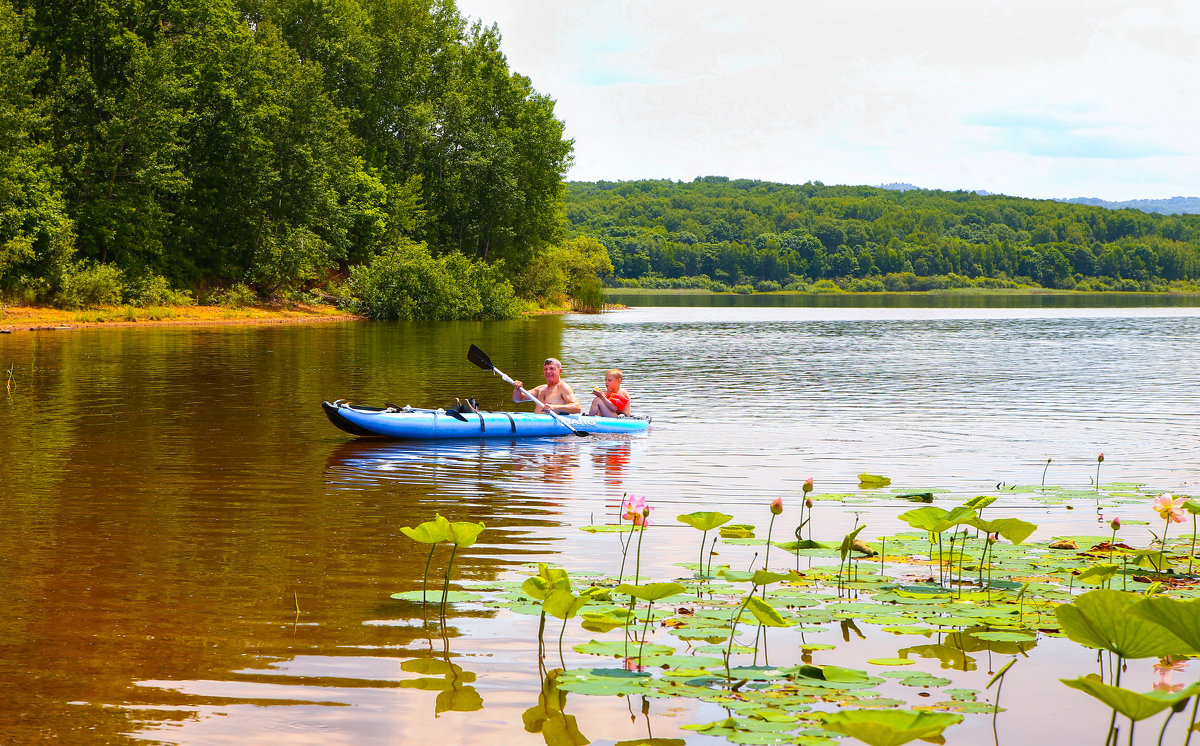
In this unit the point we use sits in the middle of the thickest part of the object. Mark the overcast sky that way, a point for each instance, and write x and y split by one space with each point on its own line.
1041 98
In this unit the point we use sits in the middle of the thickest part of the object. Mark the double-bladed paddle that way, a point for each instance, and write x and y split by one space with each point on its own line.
480 358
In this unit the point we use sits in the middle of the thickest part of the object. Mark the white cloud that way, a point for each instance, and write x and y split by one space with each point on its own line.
1034 98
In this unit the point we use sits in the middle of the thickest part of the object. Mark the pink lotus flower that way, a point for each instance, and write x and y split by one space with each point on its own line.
777 506
637 511
1115 523
1169 507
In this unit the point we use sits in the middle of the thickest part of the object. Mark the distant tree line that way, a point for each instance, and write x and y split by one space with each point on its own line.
755 235
271 144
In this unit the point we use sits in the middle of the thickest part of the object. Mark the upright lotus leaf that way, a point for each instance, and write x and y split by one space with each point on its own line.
429 532
650 591
1013 529
848 542
1103 619
1180 617
937 520
1097 574
765 613
548 579
464 533
1133 705
980 502
432 533
872 480
890 727
705 521
562 604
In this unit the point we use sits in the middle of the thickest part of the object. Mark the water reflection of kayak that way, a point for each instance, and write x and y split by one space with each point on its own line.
422 424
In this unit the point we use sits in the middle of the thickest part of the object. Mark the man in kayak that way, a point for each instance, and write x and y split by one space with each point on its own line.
555 393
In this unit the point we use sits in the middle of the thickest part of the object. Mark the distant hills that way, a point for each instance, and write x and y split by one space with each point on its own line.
1171 206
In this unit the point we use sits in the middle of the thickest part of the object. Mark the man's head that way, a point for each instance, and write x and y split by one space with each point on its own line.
552 370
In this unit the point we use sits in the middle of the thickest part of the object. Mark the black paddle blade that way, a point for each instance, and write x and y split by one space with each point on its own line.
581 433
456 415
480 358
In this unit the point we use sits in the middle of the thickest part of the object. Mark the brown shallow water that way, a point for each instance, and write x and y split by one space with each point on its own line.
191 554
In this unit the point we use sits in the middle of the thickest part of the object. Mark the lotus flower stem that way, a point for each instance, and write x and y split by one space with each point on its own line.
1099 460
1192 551
767 555
733 625
1162 548
637 565
1163 732
1195 705
425 582
1044 474
560 642
645 629
446 584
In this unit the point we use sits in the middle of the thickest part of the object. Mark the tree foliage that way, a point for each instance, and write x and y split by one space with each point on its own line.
270 142
754 233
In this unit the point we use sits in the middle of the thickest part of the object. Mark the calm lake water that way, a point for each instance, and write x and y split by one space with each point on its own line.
192 554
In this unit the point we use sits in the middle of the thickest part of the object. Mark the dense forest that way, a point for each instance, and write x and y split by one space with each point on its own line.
754 235
150 146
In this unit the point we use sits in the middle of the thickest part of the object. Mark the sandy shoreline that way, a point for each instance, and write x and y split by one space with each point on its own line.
16 319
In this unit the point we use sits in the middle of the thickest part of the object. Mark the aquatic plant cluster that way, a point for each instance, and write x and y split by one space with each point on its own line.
957 586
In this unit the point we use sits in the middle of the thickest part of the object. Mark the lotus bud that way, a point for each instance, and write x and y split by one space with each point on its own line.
808 486
777 506
808 503
1100 459
1115 523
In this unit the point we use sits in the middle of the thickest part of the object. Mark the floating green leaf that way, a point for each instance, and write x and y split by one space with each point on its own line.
890 727
872 480
619 648
737 531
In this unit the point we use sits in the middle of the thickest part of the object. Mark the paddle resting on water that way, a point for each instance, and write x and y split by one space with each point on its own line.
480 358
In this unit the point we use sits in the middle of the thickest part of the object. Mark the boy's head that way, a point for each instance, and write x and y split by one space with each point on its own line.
613 378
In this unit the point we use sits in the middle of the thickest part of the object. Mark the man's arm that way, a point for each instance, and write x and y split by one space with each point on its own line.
518 397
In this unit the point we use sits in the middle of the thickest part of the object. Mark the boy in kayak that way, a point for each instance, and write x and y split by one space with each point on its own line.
555 393
614 400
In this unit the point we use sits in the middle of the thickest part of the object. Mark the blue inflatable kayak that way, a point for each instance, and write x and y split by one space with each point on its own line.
422 424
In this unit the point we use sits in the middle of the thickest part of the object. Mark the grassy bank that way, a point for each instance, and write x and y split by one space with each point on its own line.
33 318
